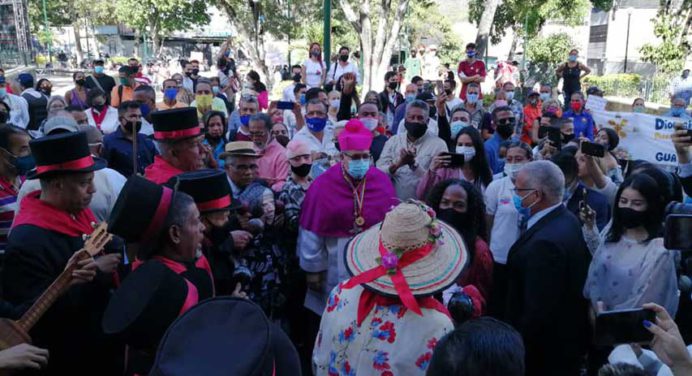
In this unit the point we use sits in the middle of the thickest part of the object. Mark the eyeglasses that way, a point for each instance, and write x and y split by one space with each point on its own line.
506 121
357 157
243 167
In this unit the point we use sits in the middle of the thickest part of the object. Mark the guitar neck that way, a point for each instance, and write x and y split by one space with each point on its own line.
52 293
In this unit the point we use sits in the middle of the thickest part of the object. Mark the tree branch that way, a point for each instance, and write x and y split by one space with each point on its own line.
351 15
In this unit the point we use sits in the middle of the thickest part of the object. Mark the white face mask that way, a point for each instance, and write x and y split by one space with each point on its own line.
335 103
369 123
468 151
509 95
512 170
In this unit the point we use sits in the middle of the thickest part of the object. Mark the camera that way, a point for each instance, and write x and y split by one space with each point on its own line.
243 275
678 227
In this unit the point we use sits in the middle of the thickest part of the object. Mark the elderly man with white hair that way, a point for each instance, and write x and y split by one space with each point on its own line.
546 270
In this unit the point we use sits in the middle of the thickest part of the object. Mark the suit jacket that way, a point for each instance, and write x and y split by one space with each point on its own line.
547 268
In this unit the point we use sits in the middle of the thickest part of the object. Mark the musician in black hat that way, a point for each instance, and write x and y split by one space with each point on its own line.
225 336
179 139
165 280
222 240
47 231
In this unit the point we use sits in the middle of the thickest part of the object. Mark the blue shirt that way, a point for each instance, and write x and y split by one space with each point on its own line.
583 123
685 116
217 152
117 150
492 152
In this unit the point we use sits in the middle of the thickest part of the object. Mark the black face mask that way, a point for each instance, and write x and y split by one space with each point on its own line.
432 112
80 82
195 72
282 139
337 146
460 221
343 58
567 138
416 130
46 91
393 85
130 124
631 218
505 130
448 92
188 74
296 77
302 170
315 53
3 117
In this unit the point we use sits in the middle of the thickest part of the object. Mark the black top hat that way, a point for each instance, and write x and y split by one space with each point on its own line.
209 188
61 153
176 124
140 211
144 306
225 336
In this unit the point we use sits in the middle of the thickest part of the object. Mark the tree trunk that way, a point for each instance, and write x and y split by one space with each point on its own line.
136 47
377 51
77 42
484 26
255 52
515 41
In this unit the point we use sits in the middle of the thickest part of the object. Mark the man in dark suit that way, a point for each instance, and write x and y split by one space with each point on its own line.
547 267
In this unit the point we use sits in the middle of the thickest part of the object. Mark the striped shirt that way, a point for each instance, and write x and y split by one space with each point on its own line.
8 206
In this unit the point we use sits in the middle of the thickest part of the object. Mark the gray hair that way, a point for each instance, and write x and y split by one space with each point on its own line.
551 102
261 116
55 98
546 177
419 104
249 99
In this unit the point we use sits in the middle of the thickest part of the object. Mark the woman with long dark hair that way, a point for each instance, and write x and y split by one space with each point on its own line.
460 204
631 266
313 69
475 168
254 83
215 127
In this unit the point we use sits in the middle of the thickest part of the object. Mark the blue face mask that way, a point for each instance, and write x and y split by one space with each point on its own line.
3 92
544 96
516 200
316 124
215 90
358 168
170 93
24 164
572 58
303 101
245 120
410 98
457 126
470 53
677 111
145 109
99 69
472 98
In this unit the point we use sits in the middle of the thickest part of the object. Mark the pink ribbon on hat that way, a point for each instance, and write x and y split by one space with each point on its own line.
393 268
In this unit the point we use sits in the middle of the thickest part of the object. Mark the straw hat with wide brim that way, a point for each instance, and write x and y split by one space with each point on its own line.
239 149
407 227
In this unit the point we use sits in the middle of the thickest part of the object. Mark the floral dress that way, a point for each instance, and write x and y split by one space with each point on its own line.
390 340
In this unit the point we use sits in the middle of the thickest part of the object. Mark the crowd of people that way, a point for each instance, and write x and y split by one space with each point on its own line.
419 230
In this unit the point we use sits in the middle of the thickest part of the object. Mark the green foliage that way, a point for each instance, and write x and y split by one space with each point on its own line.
162 16
669 55
529 16
68 12
620 84
422 14
551 49
545 53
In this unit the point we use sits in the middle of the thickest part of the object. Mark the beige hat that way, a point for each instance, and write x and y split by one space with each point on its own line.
239 149
428 252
